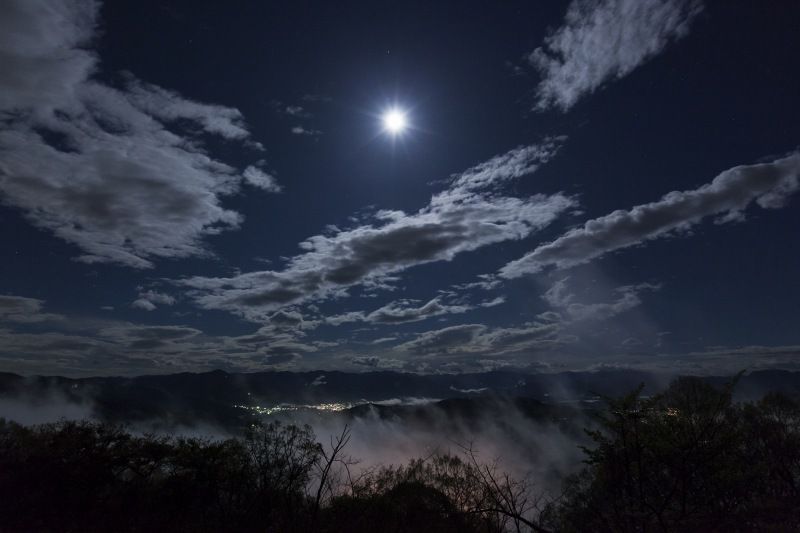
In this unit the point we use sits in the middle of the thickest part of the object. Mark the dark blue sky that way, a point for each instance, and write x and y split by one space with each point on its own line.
190 185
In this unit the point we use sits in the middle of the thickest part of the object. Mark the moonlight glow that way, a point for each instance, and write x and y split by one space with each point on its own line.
394 121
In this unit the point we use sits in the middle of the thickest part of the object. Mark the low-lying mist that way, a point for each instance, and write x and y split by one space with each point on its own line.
52 407
522 437
496 431
503 424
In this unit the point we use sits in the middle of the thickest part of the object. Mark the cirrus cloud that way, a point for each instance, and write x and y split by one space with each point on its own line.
602 40
769 185
466 216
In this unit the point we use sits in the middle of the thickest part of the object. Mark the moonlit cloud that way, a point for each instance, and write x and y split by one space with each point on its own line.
44 61
476 339
86 347
727 197
404 311
514 164
603 40
445 340
287 318
145 305
468 215
296 111
149 300
147 231
24 310
554 333
97 165
366 360
560 297
258 178
302 130
169 106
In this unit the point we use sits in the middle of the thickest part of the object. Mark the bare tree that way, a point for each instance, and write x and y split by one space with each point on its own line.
503 495
325 465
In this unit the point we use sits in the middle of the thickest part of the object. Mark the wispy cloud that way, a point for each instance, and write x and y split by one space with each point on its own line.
301 115
24 310
296 111
468 215
460 338
560 297
149 300
404 311
120 172
476 339
258 178
514 164
727 197
89 346
603 40
301 130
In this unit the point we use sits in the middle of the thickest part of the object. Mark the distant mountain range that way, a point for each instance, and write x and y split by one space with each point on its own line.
216 397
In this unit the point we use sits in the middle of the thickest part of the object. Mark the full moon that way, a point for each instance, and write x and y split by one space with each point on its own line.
394 121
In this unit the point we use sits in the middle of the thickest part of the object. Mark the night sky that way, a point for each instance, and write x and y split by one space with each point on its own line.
187 186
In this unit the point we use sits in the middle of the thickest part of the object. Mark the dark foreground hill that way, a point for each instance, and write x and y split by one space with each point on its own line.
687 459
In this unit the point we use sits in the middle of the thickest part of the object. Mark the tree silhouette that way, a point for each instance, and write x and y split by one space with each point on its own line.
687 460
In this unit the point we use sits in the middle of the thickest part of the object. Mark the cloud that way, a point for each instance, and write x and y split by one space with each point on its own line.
404 311
445 340
481 339
282 341
300 130
120 172
603 40
345 318
147 337
87 346
145 305
296 111
167 105
468 215
258 178
158 297
513 164
366 360
287 318
550 333
531 336
280 358
300 114
632 342
560 298
150 299
487 283
123 348
381 340
110 347
24 310
727 197
43 60
373 361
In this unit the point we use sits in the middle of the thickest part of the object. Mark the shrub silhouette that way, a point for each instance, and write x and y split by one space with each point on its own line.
408 506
